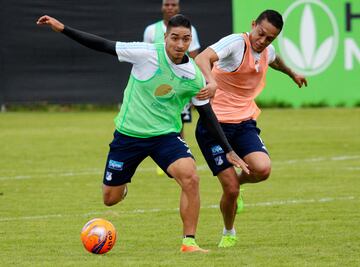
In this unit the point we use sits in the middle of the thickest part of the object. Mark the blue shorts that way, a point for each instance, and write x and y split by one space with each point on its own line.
243 137
126 153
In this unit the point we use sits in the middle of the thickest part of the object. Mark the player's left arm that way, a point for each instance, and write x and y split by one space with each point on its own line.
279 64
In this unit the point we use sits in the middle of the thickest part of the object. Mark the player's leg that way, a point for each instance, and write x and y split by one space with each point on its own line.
230 185
184 172
114 194
228 205
260 168
124 156
174 156
249 146
217 162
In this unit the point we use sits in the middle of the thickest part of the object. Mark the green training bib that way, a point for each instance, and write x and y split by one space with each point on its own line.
153 107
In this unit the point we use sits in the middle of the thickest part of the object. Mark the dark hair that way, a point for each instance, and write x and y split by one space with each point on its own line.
273 17
179 20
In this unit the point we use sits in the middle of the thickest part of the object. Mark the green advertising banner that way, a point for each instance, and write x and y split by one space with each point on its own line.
321 40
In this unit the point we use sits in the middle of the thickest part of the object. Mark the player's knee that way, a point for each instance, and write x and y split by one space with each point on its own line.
110 200
190 181
113 195
230 183
263 172
232 192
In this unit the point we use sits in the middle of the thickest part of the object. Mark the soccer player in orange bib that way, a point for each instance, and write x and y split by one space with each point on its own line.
235 70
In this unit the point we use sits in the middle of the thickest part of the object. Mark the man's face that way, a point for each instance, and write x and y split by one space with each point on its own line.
169 9
262 35
177 42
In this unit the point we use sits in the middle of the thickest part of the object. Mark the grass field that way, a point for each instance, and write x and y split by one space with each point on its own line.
306 214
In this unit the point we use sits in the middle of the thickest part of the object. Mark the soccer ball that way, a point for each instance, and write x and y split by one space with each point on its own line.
98 236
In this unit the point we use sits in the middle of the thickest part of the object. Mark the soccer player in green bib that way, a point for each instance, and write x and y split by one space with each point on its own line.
163 79
154 33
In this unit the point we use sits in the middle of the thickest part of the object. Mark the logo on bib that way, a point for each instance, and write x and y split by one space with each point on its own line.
164 92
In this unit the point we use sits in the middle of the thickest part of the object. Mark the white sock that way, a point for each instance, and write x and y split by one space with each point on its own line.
229 232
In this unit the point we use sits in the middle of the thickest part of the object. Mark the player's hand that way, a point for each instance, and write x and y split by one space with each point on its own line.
53 23
207 92
299 80
235 160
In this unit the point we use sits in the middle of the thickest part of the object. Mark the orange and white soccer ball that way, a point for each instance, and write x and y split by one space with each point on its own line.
98 236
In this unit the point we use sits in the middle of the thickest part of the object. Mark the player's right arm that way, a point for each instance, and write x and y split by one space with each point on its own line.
205 60
89 40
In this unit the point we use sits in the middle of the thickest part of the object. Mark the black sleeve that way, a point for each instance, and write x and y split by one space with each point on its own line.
208 118
91 41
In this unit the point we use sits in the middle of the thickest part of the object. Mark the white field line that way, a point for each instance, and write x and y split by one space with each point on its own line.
353 168
141 211
93 171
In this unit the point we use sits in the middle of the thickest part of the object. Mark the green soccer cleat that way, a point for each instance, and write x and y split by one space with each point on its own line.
240 203
227 241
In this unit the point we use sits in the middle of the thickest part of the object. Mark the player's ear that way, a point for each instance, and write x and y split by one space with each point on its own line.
253 24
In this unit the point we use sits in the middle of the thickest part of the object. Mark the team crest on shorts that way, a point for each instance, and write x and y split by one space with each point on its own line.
219 161
108 176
